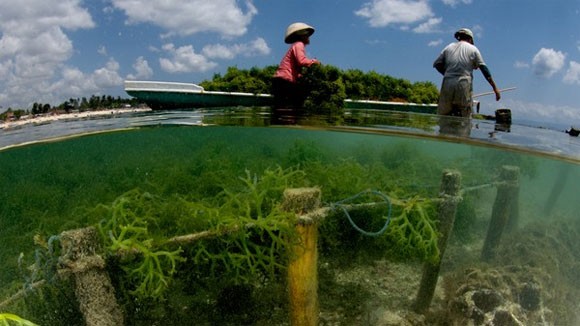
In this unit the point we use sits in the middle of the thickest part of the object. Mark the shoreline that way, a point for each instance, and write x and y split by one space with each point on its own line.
65 116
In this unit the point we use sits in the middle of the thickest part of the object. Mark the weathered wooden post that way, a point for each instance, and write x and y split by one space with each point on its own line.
557 189
93 288
514 216
450 197
503 207
303 266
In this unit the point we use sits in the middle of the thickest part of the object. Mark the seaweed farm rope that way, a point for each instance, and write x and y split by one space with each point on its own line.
339 204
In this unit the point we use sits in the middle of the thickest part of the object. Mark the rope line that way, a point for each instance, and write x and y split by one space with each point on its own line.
340 204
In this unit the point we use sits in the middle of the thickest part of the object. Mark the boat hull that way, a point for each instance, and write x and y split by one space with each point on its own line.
169 95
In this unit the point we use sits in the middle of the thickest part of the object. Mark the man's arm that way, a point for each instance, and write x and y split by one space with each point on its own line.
440 66
487 74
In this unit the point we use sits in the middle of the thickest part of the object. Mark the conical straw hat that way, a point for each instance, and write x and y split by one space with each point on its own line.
297 29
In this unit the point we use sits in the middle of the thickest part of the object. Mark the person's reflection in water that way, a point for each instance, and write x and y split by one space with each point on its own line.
284 115
454 126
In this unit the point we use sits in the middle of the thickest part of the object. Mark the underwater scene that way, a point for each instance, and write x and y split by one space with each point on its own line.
239 222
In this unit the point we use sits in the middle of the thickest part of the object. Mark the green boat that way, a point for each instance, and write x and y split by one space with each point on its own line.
171 95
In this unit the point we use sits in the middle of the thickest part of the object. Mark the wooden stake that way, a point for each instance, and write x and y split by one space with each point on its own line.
514 216
450 189
557 188
507 194
303 266
93 288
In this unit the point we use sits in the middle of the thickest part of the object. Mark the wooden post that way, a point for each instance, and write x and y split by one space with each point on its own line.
303 266
449 195
557 188
507 193
514 215
93 288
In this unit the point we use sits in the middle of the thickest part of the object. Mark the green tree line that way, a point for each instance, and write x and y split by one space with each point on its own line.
92 103
355 84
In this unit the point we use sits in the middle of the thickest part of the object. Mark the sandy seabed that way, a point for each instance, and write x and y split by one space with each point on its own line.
64 116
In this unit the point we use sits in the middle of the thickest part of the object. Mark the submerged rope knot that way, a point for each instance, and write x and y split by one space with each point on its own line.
341 204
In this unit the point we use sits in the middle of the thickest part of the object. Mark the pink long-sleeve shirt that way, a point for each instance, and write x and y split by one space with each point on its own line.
292 63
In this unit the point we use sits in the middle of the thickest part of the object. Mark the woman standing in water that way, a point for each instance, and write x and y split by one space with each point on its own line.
287 91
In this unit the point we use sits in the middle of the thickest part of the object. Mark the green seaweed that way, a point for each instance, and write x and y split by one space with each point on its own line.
7 319
200 183
414 230
126 233
262 229
253 229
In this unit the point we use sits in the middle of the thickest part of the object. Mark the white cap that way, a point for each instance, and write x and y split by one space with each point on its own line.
464 31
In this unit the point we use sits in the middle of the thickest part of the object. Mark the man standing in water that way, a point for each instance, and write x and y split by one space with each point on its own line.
456 63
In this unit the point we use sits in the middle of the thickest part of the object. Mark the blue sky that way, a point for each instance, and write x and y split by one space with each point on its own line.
51 50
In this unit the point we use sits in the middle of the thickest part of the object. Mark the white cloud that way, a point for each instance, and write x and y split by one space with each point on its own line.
435 43
429 26
34 46
75 83
521 65
184 59
382 13
218 51
25 17
547 62
142 69
553 114
225 17
573 73
254 48
454 3
107 76
102 50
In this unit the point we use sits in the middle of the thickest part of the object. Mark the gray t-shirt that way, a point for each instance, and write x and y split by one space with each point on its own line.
459 59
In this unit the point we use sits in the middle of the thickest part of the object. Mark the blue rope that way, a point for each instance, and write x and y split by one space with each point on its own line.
44 262
339 204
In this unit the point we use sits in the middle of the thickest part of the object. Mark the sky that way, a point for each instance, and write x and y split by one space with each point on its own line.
53 50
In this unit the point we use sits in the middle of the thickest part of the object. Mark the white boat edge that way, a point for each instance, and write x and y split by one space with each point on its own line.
176 87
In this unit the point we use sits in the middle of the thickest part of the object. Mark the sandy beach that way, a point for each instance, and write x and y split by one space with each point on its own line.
64 116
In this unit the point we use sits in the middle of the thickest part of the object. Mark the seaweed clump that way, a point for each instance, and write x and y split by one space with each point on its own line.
7 319
414 230
127 236
244 232
326 91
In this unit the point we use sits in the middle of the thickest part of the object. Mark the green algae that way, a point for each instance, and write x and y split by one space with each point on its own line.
195 183
414 230
125 232
7 319
252 229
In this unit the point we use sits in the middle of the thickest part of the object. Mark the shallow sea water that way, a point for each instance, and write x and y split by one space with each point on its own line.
163 168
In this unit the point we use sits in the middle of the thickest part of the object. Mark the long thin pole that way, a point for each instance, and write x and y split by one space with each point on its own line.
489 93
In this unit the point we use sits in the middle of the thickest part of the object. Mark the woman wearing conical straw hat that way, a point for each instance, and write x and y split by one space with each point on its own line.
286 89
